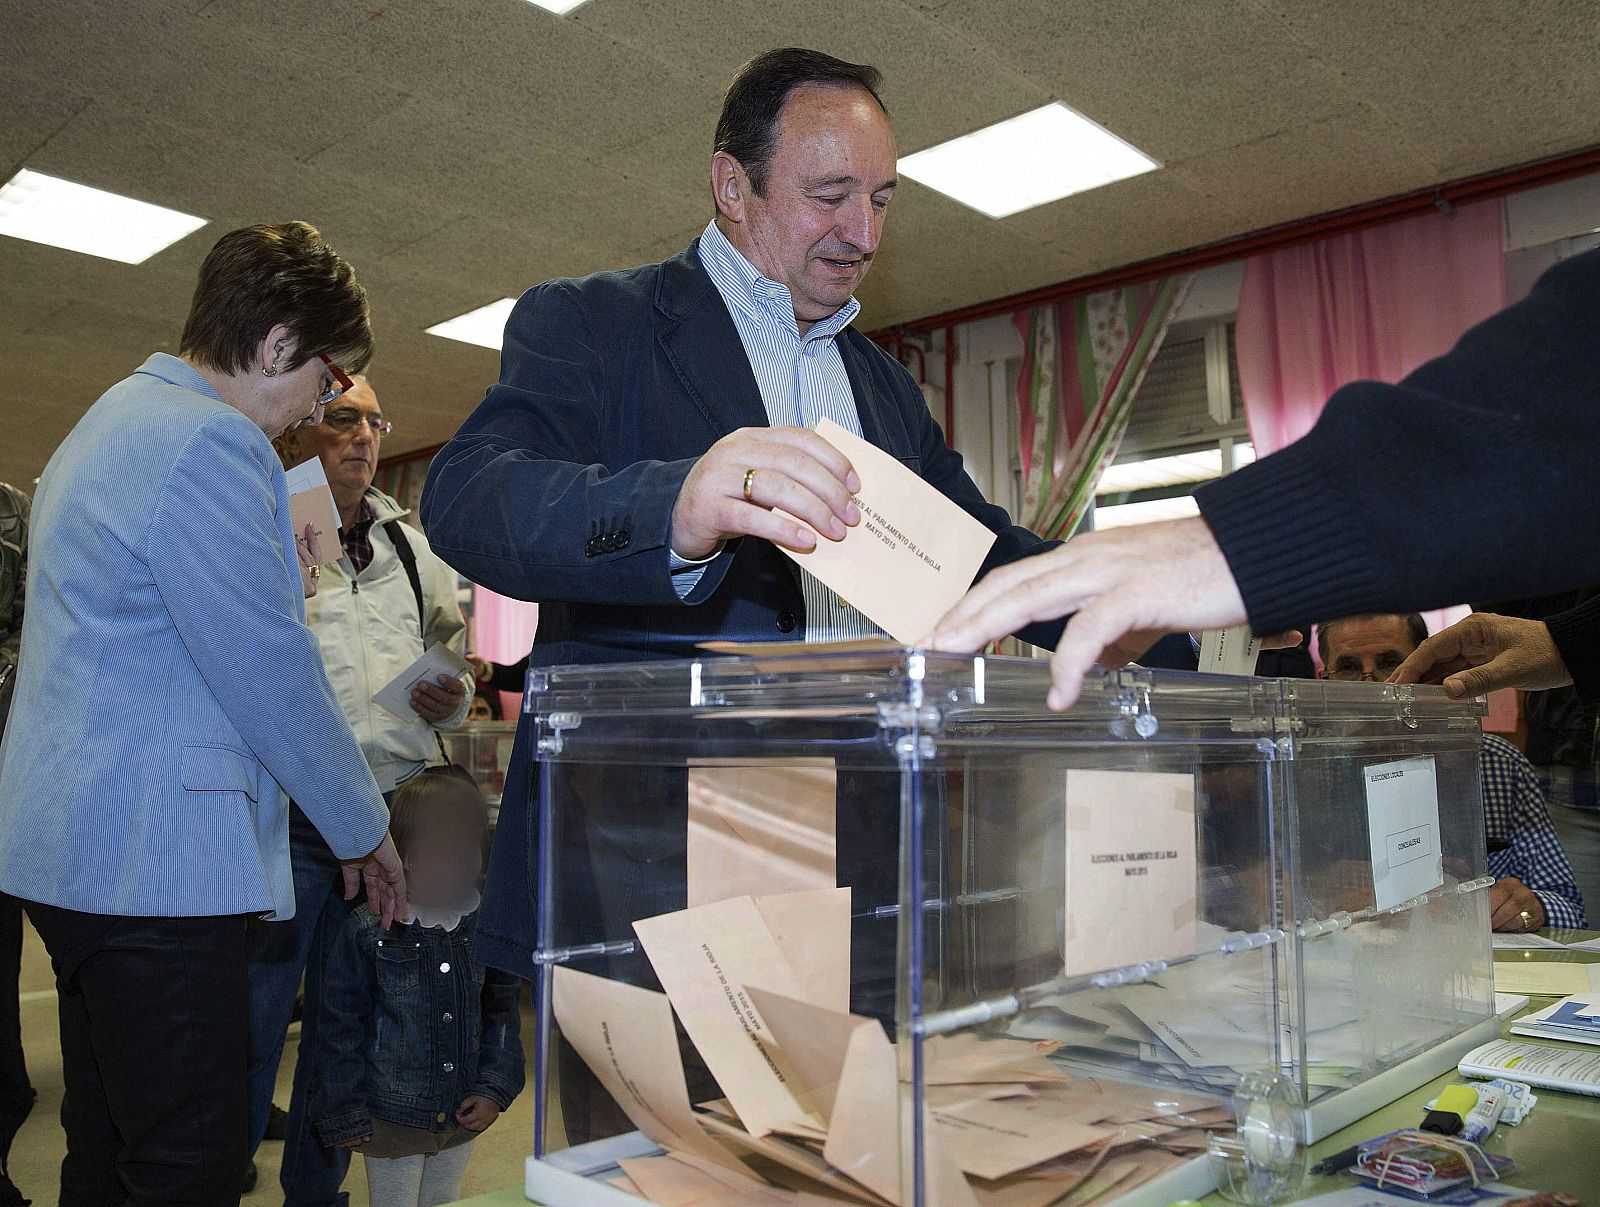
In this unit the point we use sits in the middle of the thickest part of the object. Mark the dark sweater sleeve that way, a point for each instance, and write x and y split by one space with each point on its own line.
1576 633
1473 477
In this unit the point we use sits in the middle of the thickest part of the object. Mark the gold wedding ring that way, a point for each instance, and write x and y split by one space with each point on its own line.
1527 920
749 485
316 572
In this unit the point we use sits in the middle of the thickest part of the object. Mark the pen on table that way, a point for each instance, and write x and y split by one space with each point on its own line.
1339 1161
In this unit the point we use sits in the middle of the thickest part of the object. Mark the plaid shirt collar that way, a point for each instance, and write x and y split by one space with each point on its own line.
357 536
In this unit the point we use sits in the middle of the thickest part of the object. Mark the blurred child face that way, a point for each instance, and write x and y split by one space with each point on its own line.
444 864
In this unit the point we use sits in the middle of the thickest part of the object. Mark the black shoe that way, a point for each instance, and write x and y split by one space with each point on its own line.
250 1176
277 1123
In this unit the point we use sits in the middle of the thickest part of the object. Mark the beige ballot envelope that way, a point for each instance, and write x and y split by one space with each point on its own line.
758 828
311 502
707 959
626 1036
913 555
1130 868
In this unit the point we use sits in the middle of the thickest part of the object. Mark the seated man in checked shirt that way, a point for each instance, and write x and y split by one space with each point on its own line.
1534 885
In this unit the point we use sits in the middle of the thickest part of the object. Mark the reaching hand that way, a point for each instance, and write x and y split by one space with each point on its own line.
1123 588
1484 653
385 881
788 468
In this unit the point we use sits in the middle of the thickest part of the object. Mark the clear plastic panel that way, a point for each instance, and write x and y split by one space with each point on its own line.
924 940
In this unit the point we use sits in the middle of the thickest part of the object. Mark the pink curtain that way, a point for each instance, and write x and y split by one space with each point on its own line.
502 631
1371 305
1368 306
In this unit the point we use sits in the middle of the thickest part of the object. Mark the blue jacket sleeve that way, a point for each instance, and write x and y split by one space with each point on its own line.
501 1065
338 1099
512 500
216 553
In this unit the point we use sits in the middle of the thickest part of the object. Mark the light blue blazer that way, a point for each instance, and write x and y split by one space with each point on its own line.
169 693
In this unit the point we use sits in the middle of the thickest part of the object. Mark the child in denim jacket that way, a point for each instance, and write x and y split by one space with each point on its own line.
420 1043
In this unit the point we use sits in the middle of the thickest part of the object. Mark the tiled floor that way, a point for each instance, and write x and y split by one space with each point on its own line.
35 1160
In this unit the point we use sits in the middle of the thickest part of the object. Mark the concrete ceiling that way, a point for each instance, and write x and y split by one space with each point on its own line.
458 153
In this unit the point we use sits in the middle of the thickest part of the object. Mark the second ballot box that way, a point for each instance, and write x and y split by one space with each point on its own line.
874 926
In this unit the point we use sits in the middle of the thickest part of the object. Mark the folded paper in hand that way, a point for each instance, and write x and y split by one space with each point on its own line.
913 555
438 659
311 502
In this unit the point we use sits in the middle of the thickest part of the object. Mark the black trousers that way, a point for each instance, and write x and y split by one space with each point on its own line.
154 1039
16 1094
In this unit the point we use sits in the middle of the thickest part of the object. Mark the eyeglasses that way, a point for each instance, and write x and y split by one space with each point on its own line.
341 383
348 419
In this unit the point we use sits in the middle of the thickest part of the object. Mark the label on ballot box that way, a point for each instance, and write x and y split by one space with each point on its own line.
1403 829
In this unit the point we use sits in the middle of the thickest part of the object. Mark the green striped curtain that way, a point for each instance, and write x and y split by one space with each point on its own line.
1082 363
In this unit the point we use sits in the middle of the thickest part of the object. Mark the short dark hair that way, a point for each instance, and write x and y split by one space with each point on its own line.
747 129
259 276
431 796
1416 629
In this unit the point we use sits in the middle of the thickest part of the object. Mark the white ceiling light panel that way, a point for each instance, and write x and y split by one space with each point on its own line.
484 326
59 213
1026 161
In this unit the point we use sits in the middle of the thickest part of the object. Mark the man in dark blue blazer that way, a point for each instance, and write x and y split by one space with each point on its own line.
624 470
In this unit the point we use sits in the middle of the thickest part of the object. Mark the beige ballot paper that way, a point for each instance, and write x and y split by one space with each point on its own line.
759 828
1130 868
626 1036
706 958
913 555
311 502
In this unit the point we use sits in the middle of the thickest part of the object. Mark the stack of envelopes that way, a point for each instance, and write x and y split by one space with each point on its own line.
815 1108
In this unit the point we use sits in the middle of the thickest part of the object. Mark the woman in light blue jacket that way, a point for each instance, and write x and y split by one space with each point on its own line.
143 817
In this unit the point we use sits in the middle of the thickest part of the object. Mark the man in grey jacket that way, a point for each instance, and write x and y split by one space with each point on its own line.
385 600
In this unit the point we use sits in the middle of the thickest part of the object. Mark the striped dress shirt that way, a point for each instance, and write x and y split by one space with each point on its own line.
1514 812
802 380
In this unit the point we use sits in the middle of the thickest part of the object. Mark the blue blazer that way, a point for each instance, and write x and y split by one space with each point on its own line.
169 692
560 487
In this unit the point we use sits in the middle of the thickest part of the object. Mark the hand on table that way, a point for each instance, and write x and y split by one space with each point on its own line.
437 701
795 470
384 877
1509 901
1483 653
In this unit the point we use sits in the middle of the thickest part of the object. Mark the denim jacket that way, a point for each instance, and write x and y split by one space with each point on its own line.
410 1025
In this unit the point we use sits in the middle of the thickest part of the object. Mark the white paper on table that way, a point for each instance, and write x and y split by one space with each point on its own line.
1230 651
1403 829
1130 869
1523 942
1584 945
438 659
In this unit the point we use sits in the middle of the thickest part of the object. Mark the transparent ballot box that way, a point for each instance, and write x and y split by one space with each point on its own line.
877 927
483 749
